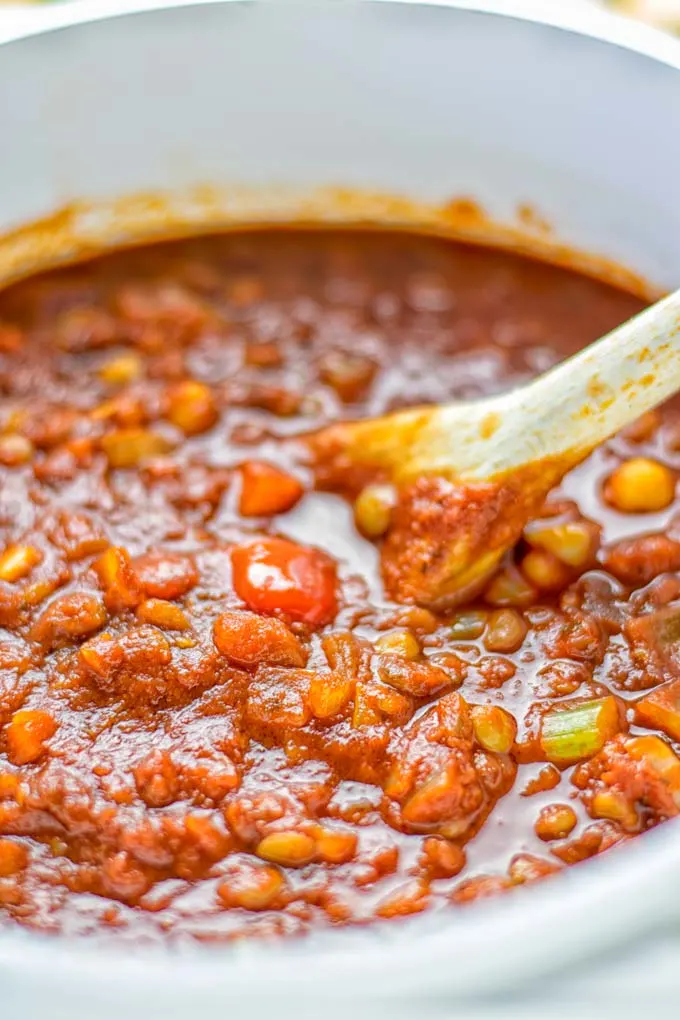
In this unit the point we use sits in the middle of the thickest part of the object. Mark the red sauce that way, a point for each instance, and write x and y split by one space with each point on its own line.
212 720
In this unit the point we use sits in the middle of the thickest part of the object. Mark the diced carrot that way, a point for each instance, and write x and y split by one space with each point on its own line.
13 858
27 734
329 694
660 709
118 579
266 490
17 561
163 614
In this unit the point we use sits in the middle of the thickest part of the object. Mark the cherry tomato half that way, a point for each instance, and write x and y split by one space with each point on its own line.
274 574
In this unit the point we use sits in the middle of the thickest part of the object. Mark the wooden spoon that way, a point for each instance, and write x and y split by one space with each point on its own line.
468 476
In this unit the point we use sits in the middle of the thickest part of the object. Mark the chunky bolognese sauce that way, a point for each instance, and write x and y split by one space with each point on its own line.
213 722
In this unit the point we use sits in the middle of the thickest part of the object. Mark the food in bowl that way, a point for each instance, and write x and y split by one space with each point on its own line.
213 723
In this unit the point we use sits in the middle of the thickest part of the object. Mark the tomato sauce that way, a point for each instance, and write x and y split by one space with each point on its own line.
213 722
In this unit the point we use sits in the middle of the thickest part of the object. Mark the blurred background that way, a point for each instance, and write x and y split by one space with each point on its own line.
663 13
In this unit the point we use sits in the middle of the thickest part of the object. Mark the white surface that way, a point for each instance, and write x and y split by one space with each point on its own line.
585 131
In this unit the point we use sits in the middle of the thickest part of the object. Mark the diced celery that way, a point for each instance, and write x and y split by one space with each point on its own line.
576 733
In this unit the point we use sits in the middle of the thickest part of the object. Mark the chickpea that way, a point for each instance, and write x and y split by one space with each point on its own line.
544 570
124 411
15 450
547 779
192 407
510 588
289 848
254 888
416 618
505 631
410 898
399 642
335 846
127 448
572 543
121 370
249 640
441 858
468 625
349 375
373 510
494 728
640 485
555 822
614 806
528 868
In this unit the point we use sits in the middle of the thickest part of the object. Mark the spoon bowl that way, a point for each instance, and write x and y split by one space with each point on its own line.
469 475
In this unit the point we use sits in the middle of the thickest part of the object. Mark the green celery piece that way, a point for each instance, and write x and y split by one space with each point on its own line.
573 734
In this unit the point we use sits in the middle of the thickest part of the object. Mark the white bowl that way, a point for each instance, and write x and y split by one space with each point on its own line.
577 116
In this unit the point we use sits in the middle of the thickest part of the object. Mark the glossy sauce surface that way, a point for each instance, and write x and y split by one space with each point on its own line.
212 722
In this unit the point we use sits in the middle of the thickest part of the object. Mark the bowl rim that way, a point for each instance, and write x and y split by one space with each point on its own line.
554 919
587 19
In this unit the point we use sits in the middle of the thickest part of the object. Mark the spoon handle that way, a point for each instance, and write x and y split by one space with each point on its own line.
548 425
581 402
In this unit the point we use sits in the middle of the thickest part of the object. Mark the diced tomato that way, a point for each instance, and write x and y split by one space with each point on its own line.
637 561
273 574
660 709
654 641
251 640
266 490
